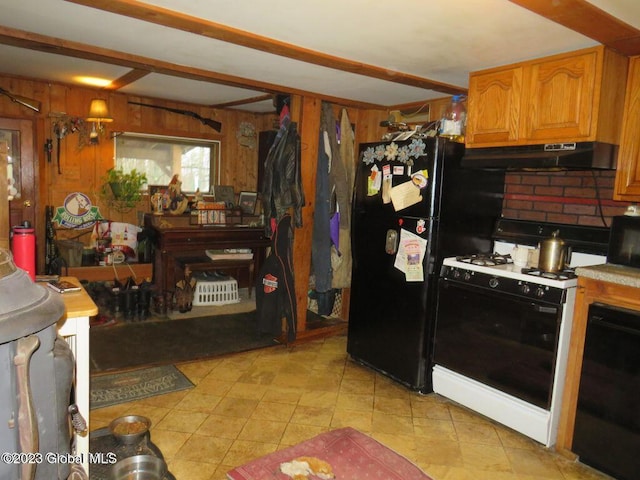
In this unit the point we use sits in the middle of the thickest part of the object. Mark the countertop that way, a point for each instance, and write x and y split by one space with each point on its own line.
608 272
77 304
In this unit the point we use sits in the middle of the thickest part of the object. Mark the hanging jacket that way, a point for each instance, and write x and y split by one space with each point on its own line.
341 260
282 184
275 290
331 189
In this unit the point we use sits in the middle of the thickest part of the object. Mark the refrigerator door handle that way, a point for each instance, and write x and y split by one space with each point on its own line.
391 242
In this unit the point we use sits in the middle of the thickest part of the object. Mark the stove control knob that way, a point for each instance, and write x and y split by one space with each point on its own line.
525 288
539 292
494 282
456 273
467 276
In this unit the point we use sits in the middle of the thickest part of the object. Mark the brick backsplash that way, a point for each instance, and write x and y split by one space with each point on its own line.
569 197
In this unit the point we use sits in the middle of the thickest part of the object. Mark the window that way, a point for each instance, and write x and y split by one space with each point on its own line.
196 161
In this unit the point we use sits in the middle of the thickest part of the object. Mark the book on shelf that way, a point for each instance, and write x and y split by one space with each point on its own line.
63 286
230 254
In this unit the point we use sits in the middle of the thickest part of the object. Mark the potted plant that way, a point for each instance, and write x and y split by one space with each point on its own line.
125 187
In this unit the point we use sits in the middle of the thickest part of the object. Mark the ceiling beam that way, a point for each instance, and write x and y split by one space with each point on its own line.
244 101
587 19
127 79
46 44
199 26
140 65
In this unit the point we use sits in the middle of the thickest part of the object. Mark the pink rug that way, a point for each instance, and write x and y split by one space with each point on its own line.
350 454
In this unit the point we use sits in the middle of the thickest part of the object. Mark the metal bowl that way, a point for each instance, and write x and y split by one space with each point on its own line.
130 429
139 467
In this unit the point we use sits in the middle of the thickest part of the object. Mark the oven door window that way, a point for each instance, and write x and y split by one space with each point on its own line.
500 340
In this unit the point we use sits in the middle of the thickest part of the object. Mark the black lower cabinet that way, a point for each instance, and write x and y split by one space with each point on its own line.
607 426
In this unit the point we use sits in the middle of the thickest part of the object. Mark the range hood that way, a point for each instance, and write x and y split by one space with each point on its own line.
549 156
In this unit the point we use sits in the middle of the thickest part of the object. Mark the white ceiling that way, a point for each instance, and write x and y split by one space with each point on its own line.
432 39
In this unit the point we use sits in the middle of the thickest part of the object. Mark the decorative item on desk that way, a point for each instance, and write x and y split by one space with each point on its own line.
247 202
210 206
157 203
211 216
209 213
177 201
156 198
225 194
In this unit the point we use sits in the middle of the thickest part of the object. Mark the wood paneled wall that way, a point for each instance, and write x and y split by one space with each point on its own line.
82 166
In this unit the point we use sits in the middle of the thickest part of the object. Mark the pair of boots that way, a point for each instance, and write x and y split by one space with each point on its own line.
130 300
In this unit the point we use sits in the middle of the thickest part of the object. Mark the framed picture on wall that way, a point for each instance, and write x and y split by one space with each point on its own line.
247 202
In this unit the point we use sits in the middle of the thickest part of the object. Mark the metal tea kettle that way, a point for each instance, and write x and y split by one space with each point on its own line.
553 253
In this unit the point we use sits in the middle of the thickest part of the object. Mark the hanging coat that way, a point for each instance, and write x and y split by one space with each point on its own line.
331 191
275 290
282 183
341 252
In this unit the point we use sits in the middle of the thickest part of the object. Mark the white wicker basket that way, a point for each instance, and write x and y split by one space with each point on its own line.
216 292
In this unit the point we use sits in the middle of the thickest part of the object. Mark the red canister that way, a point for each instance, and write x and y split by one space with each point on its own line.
23 248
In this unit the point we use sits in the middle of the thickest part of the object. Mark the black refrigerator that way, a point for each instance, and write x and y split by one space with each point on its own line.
413 205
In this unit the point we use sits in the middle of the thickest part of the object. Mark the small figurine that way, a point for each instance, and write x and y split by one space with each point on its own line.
178 202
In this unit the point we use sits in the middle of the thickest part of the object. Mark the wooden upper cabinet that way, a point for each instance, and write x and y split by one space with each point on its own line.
493 106
572 97
561 99
627 187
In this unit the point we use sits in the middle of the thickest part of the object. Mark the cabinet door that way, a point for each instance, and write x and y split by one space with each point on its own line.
560 99
493 107
628 172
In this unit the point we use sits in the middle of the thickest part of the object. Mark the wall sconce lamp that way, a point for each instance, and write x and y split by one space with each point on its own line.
98 114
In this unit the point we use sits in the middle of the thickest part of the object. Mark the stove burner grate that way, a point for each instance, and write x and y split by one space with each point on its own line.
485 259
566 274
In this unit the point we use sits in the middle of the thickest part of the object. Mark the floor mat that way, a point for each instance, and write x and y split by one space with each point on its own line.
342 453
115 388
163 342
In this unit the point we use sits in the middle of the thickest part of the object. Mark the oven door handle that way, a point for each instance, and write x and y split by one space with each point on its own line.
538 307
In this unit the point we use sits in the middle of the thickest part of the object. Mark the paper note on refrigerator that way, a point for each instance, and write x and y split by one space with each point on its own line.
374 181
405 195
411 251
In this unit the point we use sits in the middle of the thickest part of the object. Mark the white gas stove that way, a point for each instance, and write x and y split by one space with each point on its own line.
502 337
501 264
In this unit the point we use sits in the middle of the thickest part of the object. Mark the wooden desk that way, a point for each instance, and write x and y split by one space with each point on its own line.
192 240
74 328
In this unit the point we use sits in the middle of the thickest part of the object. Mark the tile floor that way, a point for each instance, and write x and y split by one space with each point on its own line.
250 404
